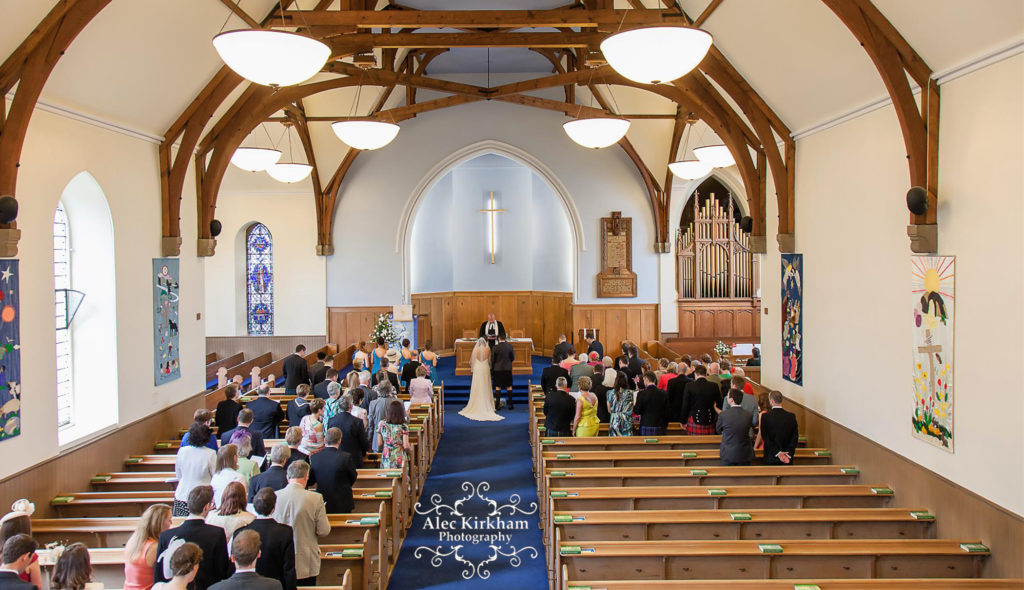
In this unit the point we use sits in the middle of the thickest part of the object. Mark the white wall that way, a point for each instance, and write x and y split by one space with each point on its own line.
299 275
552 241
851 222
56 150
380 184
430 250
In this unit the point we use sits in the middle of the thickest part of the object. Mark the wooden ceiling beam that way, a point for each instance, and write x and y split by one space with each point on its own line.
237 10
366 41
706 13
297 115
601 19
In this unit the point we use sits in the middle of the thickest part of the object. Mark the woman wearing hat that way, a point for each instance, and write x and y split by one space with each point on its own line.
19 522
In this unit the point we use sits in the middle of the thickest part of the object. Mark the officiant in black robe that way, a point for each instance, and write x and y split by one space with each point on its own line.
491 329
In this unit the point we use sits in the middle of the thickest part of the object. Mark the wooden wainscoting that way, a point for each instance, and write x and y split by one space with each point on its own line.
251 346
720 319
637 322
349 325
541 315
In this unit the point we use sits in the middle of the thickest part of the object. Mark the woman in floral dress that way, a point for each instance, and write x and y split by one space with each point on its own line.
393 437
620 406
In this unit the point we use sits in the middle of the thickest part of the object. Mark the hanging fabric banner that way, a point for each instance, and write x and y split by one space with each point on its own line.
932 295
792 318
166 357
10 351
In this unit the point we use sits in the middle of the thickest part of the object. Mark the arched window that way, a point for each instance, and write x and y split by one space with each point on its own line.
61 284
259 275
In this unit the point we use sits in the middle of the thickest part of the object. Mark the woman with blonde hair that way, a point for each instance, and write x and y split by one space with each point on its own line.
585 423
73 570
226 471
19 522
232 515
140 550
183 567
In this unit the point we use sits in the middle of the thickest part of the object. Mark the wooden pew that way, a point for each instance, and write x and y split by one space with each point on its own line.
681 560
573 459
213 366
818 584
211 357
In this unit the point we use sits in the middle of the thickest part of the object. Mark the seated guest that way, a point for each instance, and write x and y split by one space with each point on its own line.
19 522
550 375
734 426
226 471
393 437
559 409
320 387
604 379
277 547
214 565
299 405
585 421
245 550
333 403
245 418
313 428
267 413
580 369
652 406
274 477
231 515
293 438
421 390
73 569
140 550
226 414
303 511
378 409
319 368
779 432
698 406
620 406
202 417
18 553
184 567
755 358
246 466
335 473
194 465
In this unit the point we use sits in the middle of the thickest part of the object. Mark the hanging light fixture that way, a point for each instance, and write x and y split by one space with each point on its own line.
651 55
716 156
289 172
256 159
364 134
689 169
596 132
269 57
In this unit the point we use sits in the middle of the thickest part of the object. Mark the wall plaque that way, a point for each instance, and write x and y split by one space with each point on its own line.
616 278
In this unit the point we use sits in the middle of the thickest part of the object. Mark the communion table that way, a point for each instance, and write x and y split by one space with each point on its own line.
523 348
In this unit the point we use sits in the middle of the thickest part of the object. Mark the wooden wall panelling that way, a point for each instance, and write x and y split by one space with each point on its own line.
250 346
348 325
617 322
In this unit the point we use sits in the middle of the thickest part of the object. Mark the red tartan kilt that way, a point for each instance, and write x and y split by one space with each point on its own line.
699 429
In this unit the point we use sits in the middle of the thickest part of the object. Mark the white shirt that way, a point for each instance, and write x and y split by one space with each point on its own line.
193 466
492 327
221 480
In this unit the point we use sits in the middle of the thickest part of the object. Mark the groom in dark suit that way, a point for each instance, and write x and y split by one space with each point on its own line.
491 329
502 357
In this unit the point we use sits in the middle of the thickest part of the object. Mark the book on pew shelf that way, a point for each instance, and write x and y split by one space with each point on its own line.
558 494
698 472
62 499
558 474
849 471
740 516
162 445
563 456
358 552
547 441
650 440
133 460
882 491
382 494
689 455
806 587
390 474
100 479
717 492
922 515
822 453
974 547
570 550
769 548
370 520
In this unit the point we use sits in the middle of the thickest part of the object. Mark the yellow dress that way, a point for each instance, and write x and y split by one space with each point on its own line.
588 424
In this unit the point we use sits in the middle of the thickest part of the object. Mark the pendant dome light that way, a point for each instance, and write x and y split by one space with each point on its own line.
364 134
689 169
652 55
270 57
596 132
256 159
289 172
716 156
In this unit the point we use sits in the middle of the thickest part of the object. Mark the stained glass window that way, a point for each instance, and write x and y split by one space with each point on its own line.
259 264
61 283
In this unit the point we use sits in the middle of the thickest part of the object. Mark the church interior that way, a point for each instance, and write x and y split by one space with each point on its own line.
814 202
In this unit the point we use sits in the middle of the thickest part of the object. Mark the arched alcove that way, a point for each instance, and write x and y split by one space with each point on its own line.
93 329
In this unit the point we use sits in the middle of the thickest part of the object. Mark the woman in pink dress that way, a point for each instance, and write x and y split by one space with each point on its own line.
140 551
421 390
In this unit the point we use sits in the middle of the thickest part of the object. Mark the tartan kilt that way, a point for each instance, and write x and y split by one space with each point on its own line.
699 429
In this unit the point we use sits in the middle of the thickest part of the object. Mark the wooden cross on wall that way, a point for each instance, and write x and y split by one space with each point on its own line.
491 211
930 351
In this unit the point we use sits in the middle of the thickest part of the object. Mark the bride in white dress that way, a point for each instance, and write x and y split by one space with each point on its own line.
481 395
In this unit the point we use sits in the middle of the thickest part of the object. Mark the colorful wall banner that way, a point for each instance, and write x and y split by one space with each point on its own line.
166 357
792 318
10 351
932 295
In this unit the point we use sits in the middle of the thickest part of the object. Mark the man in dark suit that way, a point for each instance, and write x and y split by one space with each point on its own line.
18 552
277 544
295 370
226 415
245 550
274 477
700 398
635 364
266 413
559 409
320 389
594 345
779 431
561 350
491 329
245 425
215 565
734 426
675 389
319 369
652 406
550 375
334 473
502 357
354 439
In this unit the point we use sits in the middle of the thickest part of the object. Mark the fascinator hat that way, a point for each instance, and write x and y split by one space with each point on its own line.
20 508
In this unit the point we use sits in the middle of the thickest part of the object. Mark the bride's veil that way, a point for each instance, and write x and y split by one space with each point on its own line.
481 345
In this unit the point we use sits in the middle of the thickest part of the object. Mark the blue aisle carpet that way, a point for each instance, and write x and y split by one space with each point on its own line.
456 387
480 486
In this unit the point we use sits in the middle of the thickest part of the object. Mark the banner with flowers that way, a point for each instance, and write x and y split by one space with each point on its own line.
932 297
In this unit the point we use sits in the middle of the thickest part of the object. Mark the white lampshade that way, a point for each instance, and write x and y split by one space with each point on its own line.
271 58
690 169
289 172
253 159
717 156
597 132
365 135
656 54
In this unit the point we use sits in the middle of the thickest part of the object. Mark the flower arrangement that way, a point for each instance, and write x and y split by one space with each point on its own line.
722 349
382 328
